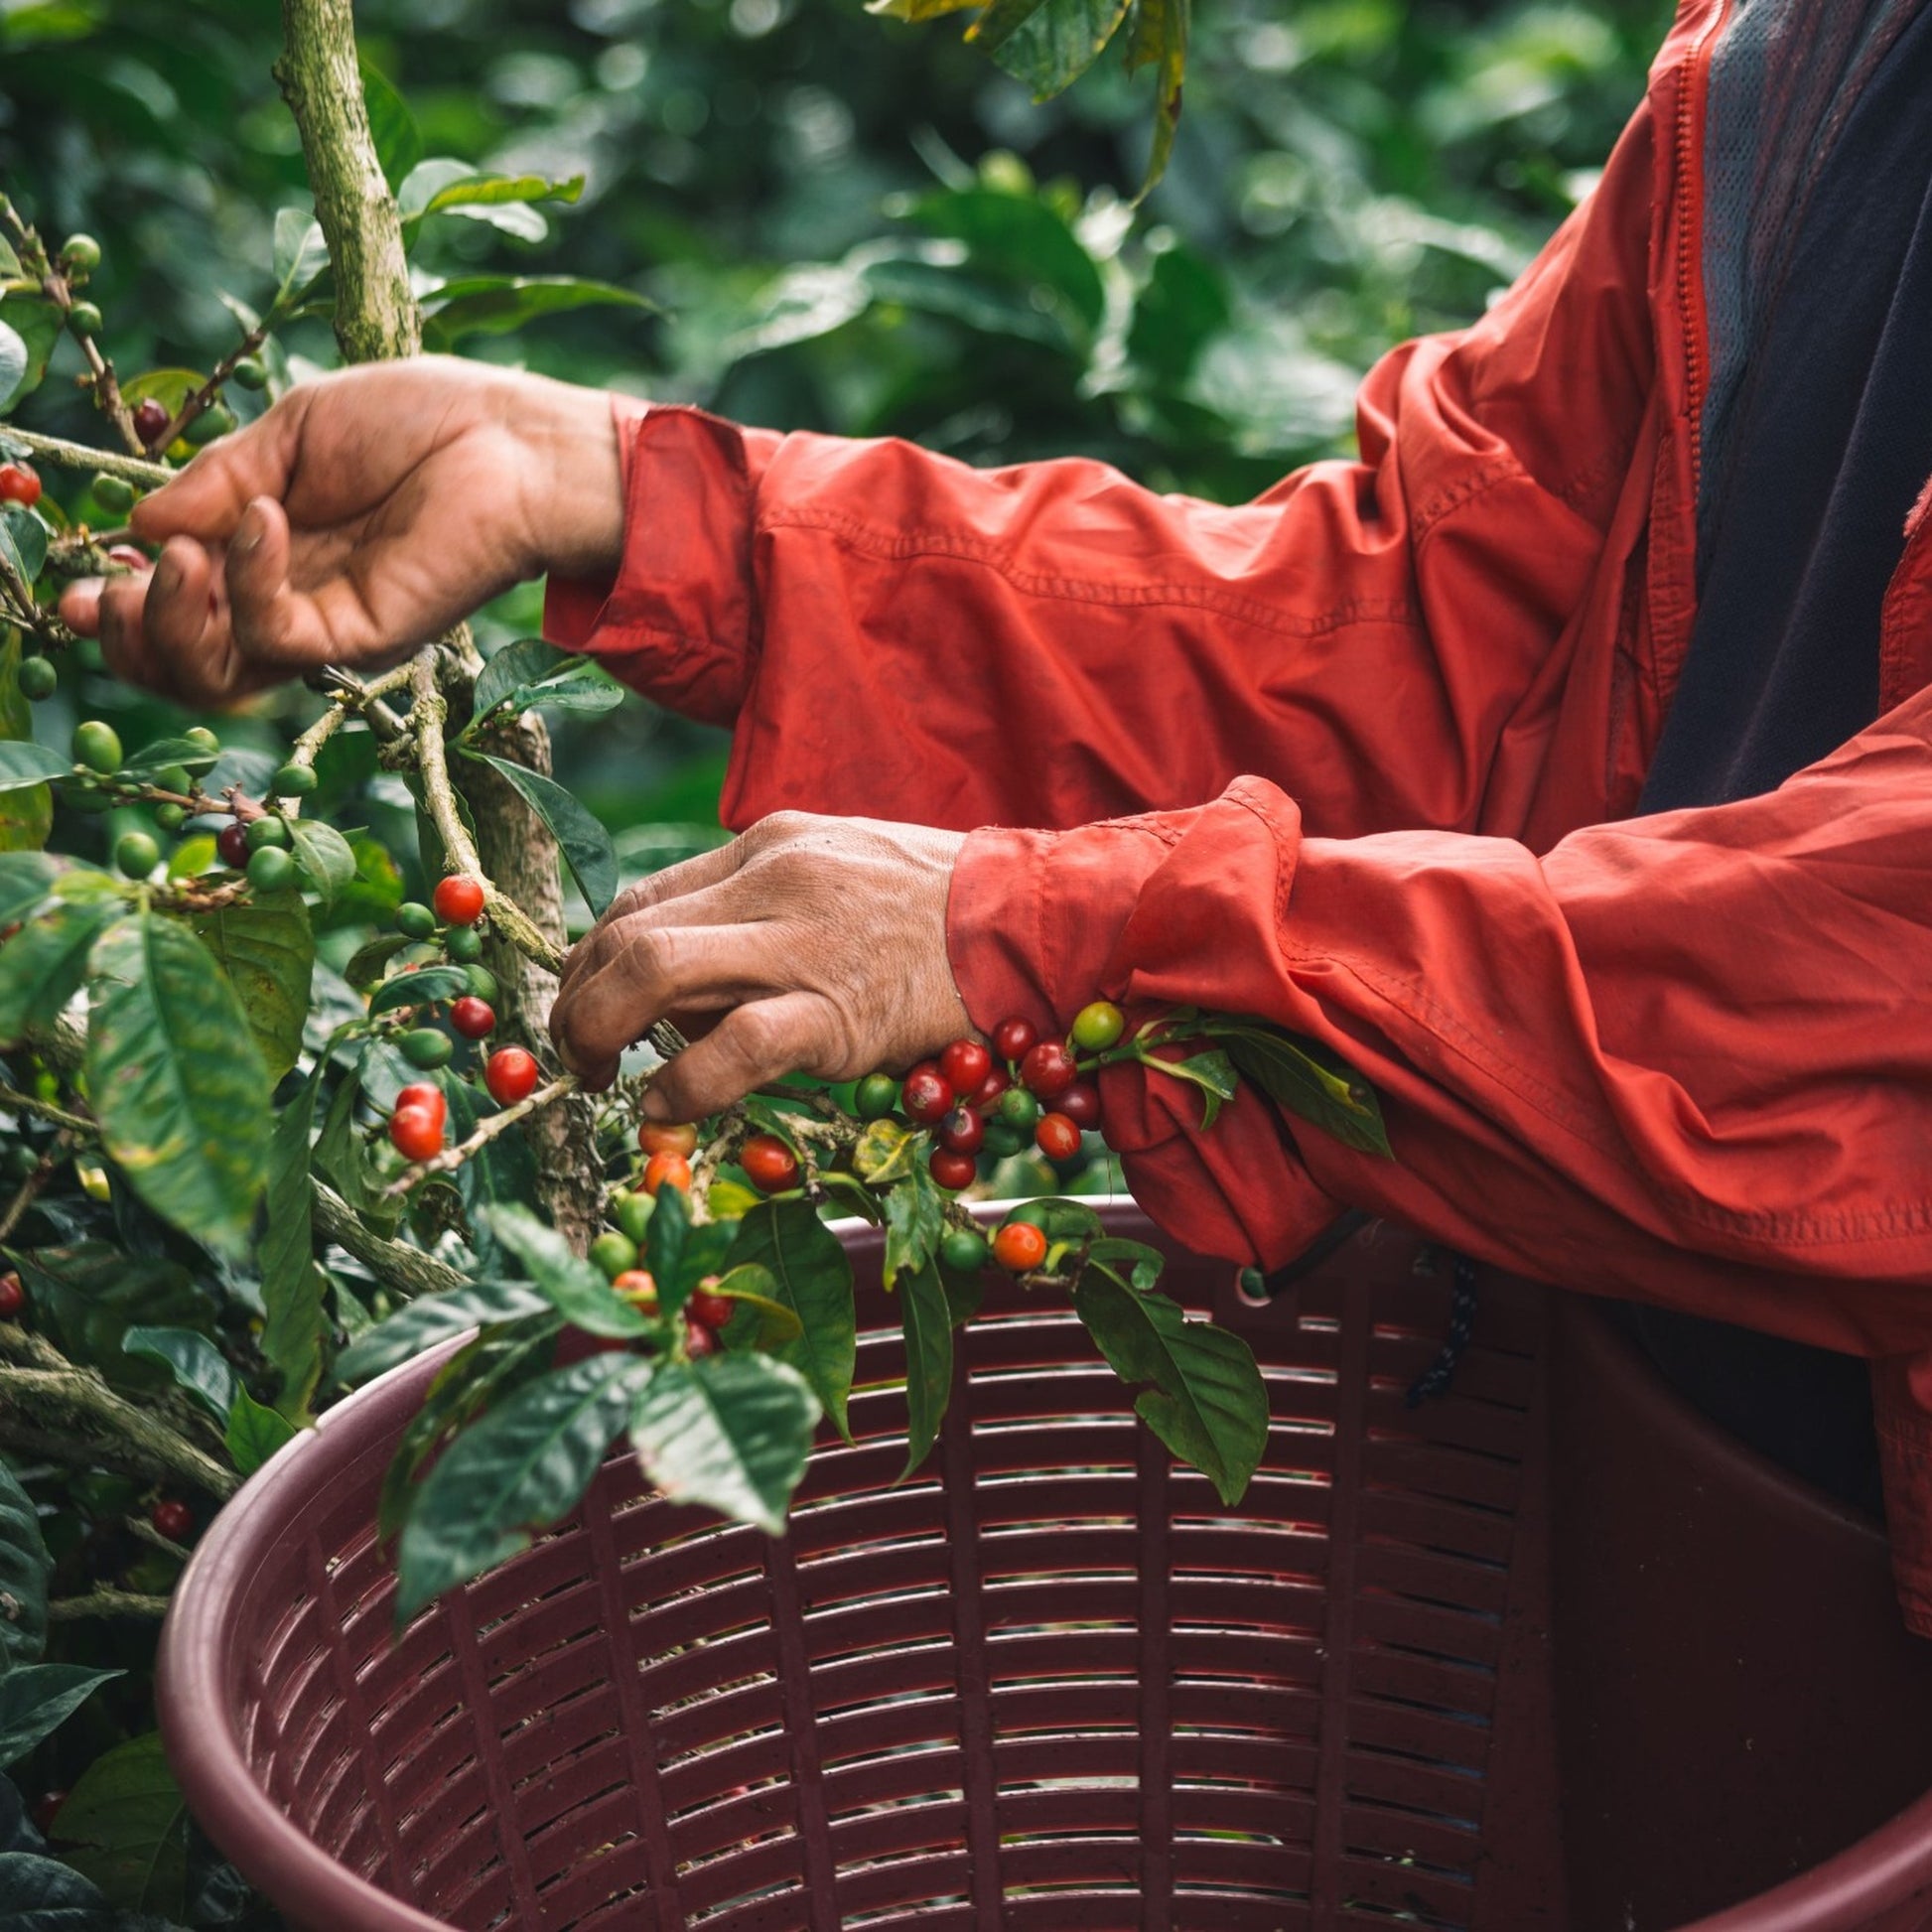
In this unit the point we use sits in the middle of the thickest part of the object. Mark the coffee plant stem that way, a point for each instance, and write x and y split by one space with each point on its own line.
486 1131
137 469
143 1531
78 1419
209 392
346 695
102 1602
25 1103
29 1189
408 1271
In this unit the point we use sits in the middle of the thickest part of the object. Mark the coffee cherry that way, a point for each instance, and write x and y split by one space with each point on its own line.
264 831
170 816
1014 1039
511 1075
98 747
81 251
1098 1027
1019 1109
136 854
638 1286
666 1170
19 484
85 319
294 781
424 1093
964 1251
414 920
1056 1137
415 1133
1018 1247
13 1296
714 1310
173 778
173 1519
113 493
270 868
699 1341
202 739
771 1166
214 422
459 899
953 1171
424 1046
47 1808
631 1212
962 1131
668 1136
250 373
151 417
1002 1140
482 983
464 944
613 1253
1048 1069
1080 1103
232 843
473 1017
965 1063
926 1095
38 679
986 1097
877 1096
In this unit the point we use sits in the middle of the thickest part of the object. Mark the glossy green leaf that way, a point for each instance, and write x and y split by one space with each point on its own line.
255 1431
926 1316
1213 1073
91 1293
1140 1264
195 1362
503 1170
36 1698
811 1275
326 859
915 1218
43 1895
584 842
26 879
42 964
432 1318
1208 1403
127 1819
1312 1083
301 254
368 961
531 672
425 986
39 325
731 1433
523 1466
501 304
399 144
757 1320
23 541
25 811
267 949
23 1570
574 1289
1159 38
294 1324
1022 241
23 763
175 1079
917 10
13 362
159 753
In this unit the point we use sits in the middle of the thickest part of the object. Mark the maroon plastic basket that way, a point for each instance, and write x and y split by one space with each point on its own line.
1050 1683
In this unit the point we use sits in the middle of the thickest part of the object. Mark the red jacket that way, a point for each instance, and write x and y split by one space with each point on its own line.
1360 751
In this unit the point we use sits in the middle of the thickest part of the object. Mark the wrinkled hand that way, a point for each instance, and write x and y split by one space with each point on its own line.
821 940
363 515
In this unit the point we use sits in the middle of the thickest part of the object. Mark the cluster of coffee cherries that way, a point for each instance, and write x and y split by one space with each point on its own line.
421 1115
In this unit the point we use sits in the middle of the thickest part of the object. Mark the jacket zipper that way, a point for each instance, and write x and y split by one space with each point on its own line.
1690 95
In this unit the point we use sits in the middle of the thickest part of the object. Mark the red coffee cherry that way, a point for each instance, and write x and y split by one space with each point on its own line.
668 1136
1018 1247
415 1133
1012 1039
150 419
710 1310
19 484
1056 1137
13 1296
962 1132
926 1095
1080 1103
1048 1070
511 1075
989 1090
173 1519
965 1063
638 1286
473 1017
953 1171
771 1166
459 899
699 1341
232 843
47 1808
424 1093
666 1170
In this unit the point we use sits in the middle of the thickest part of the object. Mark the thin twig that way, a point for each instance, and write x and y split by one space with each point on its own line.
143 1531
25 1103
136 470
199 402
29 1189
103 1602
486 1131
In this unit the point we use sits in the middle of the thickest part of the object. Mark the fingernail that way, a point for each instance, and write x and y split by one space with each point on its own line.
654 1106
248 532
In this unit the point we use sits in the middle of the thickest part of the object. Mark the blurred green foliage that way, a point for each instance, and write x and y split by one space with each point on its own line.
857 226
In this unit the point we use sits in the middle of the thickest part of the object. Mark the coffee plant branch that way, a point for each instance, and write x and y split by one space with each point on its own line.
72 1416
102 1602
486 1131
407 1270
136 470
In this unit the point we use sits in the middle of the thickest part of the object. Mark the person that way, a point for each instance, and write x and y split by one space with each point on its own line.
1563 763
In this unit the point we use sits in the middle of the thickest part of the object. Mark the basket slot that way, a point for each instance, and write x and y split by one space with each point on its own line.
838 1523
1462 1635
1216 1909
930 1768
1228 1863
700 1776
1076 1440
433 1763
735 1711
556 1744
1061 1550
769 1908
1429 1523
870 1571
1270 1818
304 1705
1049 1756
1077 1810
858 1681
1407 1889
1055 1602
732 1820
1441 1684
1433 1469
595 1836
1449 1847
1202 1757
1473 1428
708 1669
1461 1746
1014 1657
1432 1577
464 1877
1281 1656
1248 1604
717 1613
1051 1493
1106 1703
336 1802
1437 1791
541 1598
1234 1705
669 1549
455 1815
913 1616
880 1886
871 1467
607 1881
729 1878
405 1721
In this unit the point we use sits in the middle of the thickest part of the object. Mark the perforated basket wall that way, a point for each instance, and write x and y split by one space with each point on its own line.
1048 1682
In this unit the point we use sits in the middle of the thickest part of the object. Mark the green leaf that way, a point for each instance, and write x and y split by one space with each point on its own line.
301 254
503 1170
584 844
23 540
91 1293
1309 1081
927 1319
23 763
42 964
36 1698
1053 45
169 387
23 1570
268 951
196 1363
758 1321
915 1218
1024 241
365 968
532 672
886 1153
485 191
398 145
811 1275
1144 1263
127 1812
13 362
423 987
294 1322
326 859
524 1465
39 324
26 812
501 304
42 1895
731 1432
255 1433
1208 1403
432 1318
177 1081
1159 38
159 753
575 1290
1213 1072
964 1293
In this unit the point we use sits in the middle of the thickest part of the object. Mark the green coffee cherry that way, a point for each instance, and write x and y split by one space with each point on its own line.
84 320
878 1095
217 419
81 251
1019 1109
270 868
611 1253
483 983
136 854
414 919
38 679
464 944
98 747
201 737
964 1251
266 831
173 778
426 1048
294 781
632 1213
170 816
113 493
250 373
1002 1140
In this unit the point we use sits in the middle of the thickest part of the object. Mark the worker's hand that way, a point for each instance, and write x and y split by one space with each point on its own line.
821 940
363 515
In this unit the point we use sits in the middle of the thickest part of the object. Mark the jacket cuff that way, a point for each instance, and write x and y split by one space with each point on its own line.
677 621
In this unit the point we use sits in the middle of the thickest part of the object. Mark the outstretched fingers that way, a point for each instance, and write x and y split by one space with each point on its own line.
752 1046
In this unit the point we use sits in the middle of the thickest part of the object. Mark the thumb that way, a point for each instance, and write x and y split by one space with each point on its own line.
206 500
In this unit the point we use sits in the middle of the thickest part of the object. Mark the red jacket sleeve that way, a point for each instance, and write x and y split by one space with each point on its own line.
893 632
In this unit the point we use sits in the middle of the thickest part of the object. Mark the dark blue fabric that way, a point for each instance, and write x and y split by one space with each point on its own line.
1829 443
